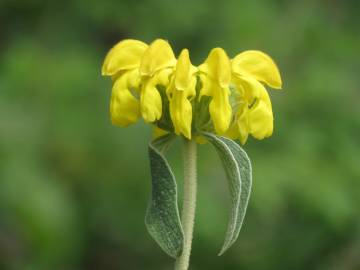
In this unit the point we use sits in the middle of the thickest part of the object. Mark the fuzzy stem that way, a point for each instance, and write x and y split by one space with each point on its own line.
189 203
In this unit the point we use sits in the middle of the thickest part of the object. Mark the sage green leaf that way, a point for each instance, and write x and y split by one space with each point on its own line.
238 171
162 216
232 171
246 182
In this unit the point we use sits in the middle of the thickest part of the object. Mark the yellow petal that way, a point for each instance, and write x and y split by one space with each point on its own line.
215 76
134 79
159 55
124 107
259 66
220 109
150 98
251 89
181 113
150 101
243 123
123 56
217 66
206 84
181 108
162 77
181 89
261 121
184 71
239 128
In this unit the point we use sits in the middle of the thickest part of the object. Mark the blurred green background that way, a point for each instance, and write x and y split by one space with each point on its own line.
74 188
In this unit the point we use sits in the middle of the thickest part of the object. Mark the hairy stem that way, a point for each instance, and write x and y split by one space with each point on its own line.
189 203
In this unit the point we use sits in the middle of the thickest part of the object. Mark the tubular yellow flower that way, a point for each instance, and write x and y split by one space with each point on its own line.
181 89
122 63
215 76
255 115
156 66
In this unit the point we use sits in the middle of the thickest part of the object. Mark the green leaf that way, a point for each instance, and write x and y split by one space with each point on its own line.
246 182
238 171
162 216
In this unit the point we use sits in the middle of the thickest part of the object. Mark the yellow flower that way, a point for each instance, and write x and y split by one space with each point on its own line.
181 89
122 63
249 70
156 66
223 96
215 76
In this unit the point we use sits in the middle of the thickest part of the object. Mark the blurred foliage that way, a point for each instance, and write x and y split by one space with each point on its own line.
74 189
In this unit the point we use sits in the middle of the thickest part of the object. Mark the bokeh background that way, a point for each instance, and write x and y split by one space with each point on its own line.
74 188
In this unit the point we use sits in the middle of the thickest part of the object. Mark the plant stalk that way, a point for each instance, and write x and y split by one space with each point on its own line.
189 203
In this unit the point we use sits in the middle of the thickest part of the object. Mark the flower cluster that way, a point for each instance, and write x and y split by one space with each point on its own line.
224 96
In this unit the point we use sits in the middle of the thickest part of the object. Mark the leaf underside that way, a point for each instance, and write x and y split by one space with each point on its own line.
238 171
